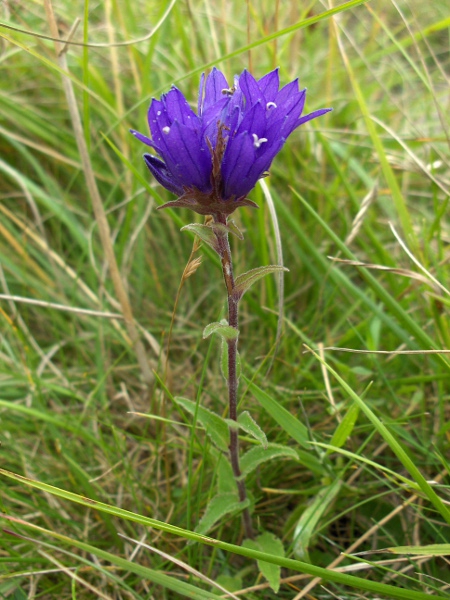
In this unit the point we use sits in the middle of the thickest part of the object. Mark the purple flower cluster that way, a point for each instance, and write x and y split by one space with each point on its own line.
212 159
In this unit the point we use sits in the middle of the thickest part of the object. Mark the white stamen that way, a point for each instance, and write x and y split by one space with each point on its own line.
166 129
229 91
257 142
270 105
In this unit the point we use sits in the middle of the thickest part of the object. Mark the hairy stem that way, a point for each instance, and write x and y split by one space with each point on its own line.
233 321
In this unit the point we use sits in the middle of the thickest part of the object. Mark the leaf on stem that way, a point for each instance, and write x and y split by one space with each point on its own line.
226 483
286 420
223 329
215 426
247 423
218 507
258 455
224 361
269 543
205 233
234 229
244 281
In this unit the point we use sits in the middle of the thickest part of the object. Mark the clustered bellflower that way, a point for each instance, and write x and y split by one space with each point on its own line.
211 160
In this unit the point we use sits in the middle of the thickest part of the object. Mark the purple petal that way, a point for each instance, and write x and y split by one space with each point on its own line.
254 121
211 119
293 114
201 87
269 85
238 159
215 84
250 89
157 120
213 114
286 92
232 114
263 162
162 175
192 164
143 138
178 109
313 115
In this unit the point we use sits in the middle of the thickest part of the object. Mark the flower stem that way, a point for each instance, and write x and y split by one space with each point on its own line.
233 321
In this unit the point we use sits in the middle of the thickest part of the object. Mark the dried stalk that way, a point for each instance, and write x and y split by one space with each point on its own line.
99 212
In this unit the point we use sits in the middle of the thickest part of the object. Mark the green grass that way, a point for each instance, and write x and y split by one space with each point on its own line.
92 456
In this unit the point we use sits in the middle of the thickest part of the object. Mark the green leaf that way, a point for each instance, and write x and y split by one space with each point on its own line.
205 233
222 230
345 427
392 441
430 550
223 329
307 524
226 483
258 455
360 583
229 582
250 426
283 417
246 280
215 426
234 229
269 543
218 507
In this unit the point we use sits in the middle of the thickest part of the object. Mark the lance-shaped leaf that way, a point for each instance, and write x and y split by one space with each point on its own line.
222 230
258 455
223 329
234 229
250 426
226 483
244 281
267 542
205 233
218 507
215 426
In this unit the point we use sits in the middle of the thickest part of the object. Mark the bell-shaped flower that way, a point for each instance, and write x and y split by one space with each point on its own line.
211 160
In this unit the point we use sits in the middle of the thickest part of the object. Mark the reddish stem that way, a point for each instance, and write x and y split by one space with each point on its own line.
233 321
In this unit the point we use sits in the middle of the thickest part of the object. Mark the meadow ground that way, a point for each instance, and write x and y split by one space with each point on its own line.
108 480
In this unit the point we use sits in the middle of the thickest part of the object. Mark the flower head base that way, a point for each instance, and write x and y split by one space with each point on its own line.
211 160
